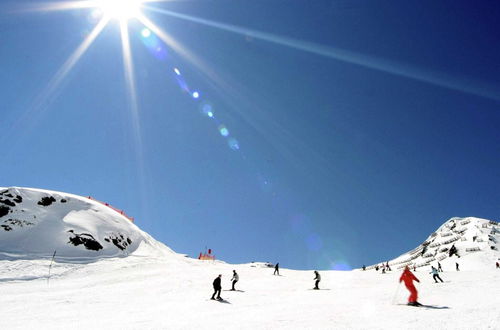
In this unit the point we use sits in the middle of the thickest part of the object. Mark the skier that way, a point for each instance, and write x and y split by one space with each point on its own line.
364 267
498 265
387 266
439 267
435 274
453 250
456 266
277 269
317 279
408 277
217 287
235 279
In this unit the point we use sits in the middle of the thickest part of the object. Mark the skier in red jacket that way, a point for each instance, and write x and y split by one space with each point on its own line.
408 278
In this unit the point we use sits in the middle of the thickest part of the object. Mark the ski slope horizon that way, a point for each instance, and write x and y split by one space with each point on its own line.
81 212
148 285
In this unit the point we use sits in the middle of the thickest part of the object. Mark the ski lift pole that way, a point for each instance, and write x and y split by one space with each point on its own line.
53 256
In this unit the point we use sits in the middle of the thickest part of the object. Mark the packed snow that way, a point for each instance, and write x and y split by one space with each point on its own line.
145 285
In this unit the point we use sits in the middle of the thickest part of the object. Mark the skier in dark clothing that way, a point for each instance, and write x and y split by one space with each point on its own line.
277 269
317 279
217 287
435 274
364 267
456 266
235 279
498 265
439 267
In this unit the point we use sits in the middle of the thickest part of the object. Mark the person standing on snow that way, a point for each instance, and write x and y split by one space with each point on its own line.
435 274
456 266
217 287
277 269
408 277
235 279
317 279
439 267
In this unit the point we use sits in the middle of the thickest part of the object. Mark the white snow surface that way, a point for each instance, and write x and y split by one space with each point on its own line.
32 230
148 286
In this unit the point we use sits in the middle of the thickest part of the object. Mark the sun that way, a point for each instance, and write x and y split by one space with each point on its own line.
120 9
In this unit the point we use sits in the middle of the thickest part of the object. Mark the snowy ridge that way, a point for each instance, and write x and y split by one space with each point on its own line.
34 223
455 239
155 288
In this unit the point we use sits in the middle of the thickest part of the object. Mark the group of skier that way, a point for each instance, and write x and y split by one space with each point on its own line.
217 285
407 277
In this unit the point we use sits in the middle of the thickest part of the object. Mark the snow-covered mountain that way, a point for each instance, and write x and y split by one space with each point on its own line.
135 282
35 223
455 239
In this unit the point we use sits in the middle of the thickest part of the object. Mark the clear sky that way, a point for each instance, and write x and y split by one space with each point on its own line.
318 134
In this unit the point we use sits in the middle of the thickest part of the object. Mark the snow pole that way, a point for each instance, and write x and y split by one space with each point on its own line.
396 294
53 256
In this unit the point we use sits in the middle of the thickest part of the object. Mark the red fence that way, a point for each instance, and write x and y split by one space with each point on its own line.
113 208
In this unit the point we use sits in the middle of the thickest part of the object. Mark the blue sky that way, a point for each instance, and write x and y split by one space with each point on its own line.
325 134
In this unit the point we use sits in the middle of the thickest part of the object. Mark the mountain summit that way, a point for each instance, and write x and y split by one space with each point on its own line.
473 238
35 223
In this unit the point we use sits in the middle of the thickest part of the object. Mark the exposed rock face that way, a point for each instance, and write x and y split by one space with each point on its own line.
46 201
87 240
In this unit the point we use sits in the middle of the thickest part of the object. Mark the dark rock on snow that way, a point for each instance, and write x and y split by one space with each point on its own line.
87 240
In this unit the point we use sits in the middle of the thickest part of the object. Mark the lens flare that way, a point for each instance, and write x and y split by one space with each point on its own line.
196 95
223 130
233 144
340 265
146 33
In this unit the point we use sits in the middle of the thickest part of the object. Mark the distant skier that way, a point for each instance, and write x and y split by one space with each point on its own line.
235 279
456 266
217 287
364 267
317 279
439 267
387 266
435 274
408 277
498 265
453 250
277 269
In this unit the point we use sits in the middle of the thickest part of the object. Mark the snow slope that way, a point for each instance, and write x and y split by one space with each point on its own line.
465 236
35 223
152 287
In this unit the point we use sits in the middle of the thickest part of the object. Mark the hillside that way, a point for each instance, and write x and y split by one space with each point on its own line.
456 238
34 223
145 285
